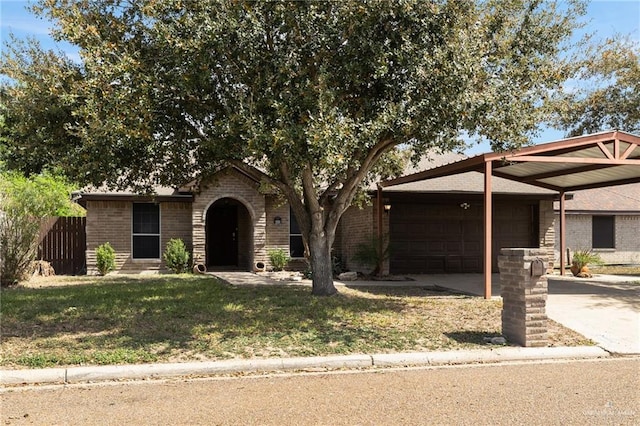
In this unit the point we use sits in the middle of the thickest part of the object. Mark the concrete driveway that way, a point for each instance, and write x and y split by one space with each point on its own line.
605 309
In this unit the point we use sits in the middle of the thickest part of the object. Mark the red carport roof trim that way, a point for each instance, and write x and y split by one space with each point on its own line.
580 156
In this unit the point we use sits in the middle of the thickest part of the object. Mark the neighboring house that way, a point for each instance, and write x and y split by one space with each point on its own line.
433 226
605 220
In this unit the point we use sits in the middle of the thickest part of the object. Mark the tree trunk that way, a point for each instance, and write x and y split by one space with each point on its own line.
320 255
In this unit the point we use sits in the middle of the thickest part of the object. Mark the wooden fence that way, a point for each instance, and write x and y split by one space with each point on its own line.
64 246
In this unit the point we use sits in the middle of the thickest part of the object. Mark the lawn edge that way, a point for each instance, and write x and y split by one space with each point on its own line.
92 374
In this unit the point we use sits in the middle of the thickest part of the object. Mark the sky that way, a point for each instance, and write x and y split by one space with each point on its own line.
604 18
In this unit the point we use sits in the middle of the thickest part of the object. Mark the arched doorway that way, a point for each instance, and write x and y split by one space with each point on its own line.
229 235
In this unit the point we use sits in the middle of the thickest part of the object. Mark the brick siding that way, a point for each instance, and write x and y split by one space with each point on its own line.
111 221
360 226
579 237
547 231
231 184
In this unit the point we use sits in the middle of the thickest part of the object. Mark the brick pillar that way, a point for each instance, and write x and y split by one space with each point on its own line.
524 296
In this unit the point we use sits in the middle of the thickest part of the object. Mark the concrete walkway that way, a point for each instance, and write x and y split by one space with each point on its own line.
471 284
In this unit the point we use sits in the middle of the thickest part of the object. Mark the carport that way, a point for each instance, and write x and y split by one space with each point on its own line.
592 161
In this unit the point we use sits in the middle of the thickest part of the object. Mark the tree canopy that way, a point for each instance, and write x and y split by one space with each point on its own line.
606 91
316 97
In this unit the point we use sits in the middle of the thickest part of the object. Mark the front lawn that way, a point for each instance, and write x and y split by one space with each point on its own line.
64 321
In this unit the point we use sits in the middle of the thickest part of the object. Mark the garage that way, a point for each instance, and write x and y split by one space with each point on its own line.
437 237
583 162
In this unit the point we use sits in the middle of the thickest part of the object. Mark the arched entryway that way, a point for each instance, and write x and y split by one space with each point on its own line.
229 235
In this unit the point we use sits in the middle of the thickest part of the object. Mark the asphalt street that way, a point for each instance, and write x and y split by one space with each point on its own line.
594 392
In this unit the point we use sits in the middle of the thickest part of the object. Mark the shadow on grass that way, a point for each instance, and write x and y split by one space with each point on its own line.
474 337
405 291
171 314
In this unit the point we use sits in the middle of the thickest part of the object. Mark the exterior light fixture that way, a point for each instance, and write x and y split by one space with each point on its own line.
277 220
387 208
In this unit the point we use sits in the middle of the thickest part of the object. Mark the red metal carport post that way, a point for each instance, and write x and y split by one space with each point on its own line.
563 240
487 228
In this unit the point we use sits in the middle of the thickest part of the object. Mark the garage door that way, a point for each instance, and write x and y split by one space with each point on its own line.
446 238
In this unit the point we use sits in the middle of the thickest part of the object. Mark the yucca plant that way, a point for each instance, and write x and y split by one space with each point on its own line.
581 259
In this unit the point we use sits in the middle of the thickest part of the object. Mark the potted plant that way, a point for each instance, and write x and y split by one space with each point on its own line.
580 261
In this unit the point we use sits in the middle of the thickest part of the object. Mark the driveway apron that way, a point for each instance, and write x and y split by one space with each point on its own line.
605 309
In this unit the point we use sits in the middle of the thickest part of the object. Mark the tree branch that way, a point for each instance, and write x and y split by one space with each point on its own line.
348 190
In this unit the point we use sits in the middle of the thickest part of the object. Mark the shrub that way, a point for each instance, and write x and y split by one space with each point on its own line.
336 264
105 258
25 205
373 252
582 258
18 246
278 258
176 256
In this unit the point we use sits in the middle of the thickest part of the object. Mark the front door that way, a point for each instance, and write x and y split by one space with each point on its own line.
222 235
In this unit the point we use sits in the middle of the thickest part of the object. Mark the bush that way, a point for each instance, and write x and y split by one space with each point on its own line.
25 204
582 258
176 256
369 253
278 258
105 258
18 246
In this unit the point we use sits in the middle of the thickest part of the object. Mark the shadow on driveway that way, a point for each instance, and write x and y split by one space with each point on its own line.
606 292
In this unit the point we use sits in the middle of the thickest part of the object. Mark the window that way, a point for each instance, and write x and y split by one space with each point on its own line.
296 247
603 232
146 231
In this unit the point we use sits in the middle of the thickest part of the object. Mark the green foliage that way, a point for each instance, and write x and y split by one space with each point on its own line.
313 96
105 258
176 256
607 92
38 196
37 102
278 258
18 245
582 258
25 202
373 252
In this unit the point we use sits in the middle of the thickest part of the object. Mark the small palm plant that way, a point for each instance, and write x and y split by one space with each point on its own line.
580 261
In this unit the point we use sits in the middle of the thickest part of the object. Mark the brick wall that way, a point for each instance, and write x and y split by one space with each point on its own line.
524 297
231 184
108 221
579 237
359 226
547 230
278 235
111 221
175 222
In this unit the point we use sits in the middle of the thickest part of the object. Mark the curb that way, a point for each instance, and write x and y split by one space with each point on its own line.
147 371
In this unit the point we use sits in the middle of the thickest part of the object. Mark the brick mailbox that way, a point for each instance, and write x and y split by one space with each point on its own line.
523 285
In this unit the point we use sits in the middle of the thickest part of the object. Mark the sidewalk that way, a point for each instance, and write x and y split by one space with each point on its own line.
467 283
93 374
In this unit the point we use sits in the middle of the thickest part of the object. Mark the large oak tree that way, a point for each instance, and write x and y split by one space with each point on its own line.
314 96
605 93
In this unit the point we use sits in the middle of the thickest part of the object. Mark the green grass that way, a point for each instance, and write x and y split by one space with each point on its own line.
124 320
